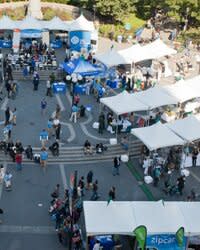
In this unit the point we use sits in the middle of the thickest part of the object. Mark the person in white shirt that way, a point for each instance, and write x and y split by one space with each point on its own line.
96 245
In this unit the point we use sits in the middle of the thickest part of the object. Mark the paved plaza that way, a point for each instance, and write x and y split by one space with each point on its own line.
26 219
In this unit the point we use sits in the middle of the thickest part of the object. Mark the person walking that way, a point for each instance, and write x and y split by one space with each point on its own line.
89 179
95 195
43 158
43 137
181 184
7 115
194 157
18 160
48 85
57 131
36 80
1 212
43 106
7 180
116 165
74 113
50 127
101 123
112 194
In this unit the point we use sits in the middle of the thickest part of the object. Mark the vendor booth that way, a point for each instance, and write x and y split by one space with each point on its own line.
6 26
80 34
161 219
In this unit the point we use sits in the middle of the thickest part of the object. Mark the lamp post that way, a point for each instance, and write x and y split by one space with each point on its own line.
186 19
74 81
94 11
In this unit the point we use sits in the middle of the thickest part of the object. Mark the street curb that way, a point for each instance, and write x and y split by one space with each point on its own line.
139 178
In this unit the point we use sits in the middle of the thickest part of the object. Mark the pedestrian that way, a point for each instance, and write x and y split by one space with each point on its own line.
7 115
89 179
18 160
56 193
43 158
58 110
48 85
101 123
1 212
74 112
97 245
116 165
2 173
57 131
81 184
95 195
8 88
43 137
194 157
180 184
7 180
111 194
50 127
43 106
36 80
14 119
29 152
156 175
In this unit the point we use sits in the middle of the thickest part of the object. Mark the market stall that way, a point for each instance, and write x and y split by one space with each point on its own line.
162 220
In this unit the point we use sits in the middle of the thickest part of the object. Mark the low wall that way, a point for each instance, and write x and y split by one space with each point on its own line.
68 8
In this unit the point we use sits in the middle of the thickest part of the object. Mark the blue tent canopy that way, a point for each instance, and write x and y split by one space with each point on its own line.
81 67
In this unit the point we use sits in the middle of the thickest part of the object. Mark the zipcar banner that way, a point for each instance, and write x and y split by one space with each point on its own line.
31 33
79 39
164 242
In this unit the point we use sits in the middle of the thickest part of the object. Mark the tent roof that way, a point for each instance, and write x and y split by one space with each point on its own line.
157 136
123 217
30 23
57 24
158 49
155 97
112 58
187 128
7 24
181 91
80 66
81 23
131 52
123 103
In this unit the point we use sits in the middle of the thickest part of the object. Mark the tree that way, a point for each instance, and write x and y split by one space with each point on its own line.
113 10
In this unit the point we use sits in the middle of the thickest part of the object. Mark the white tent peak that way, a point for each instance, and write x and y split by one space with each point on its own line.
58 24
7 23
82 24
30 22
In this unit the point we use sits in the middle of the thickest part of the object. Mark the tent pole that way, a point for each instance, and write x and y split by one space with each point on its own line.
86 243
117 127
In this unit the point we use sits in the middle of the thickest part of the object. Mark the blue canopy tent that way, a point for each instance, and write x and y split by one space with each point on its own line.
81 67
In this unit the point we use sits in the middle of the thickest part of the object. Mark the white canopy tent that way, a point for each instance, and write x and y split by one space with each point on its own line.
187 128
194 83
7 24
123 217
123 103
181 91
81 23
155 97
157 136
112 58
155 50
30 23
131 52
57 24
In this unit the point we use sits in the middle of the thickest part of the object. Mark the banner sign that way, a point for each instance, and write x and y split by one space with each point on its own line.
30 33
164 242
79 40
57 44
5 44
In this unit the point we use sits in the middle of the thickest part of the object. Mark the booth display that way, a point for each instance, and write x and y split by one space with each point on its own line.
59 87
5 44
56 44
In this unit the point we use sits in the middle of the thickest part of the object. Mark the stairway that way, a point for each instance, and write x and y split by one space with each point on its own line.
75 155
44 75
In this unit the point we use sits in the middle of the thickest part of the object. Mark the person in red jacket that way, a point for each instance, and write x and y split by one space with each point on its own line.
18 160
